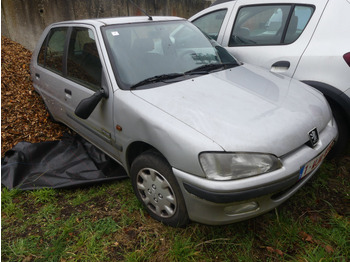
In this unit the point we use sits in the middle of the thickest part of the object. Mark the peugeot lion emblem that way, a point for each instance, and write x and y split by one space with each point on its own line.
313 136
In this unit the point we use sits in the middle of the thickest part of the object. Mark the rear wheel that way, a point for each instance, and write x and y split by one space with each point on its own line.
156 187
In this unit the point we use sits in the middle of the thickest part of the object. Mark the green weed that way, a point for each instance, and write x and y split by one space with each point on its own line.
44 195
182 249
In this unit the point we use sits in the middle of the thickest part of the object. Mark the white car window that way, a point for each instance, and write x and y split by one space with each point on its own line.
211 23
269 24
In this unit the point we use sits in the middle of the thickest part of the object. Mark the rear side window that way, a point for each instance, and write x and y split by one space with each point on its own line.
83 61
211 23
51 53
269 24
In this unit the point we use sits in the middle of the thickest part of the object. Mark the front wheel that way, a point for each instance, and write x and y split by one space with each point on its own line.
156 187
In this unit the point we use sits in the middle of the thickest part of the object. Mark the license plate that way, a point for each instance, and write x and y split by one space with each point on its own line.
314 163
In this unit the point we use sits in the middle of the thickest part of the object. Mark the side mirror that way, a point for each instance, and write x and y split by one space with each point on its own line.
87 105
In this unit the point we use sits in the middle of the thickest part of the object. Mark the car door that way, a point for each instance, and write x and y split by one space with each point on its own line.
272 34
86 75
48 71
69 69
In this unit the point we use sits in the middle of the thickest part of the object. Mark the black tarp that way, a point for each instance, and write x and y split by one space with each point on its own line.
68 162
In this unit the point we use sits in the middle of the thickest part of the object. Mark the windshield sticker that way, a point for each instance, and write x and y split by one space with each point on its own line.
115 33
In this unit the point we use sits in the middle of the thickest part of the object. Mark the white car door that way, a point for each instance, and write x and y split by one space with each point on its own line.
272 34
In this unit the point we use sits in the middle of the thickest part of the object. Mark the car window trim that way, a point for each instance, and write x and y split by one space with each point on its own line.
44 43
285 26
65 52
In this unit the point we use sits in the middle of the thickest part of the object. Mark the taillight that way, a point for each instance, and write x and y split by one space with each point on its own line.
347 58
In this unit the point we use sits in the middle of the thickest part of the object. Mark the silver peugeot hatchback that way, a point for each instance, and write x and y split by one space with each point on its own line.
202 137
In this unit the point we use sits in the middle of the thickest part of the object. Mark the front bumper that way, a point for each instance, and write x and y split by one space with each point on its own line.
222 202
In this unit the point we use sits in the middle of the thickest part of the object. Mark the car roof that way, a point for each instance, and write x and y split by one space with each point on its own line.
221 2
120 20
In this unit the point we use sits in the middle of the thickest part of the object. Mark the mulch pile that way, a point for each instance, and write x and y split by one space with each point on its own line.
23 114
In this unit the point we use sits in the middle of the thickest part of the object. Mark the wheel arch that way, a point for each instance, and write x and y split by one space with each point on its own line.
334 96
135 149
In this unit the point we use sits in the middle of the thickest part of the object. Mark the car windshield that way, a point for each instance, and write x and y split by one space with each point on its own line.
160 52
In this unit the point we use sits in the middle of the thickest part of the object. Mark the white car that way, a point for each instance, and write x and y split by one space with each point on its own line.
308 40
201 136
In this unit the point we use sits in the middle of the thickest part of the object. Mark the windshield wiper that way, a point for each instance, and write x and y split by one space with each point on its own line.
157 78
204 69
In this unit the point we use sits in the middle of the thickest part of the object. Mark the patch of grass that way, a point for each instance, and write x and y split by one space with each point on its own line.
80 198
48 212
44 195
143 254
107 223
8 206
182 249
20 249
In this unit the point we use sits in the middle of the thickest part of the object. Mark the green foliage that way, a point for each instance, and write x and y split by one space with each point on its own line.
44 195
7 205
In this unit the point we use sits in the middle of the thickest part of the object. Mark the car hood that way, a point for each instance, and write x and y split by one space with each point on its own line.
244 109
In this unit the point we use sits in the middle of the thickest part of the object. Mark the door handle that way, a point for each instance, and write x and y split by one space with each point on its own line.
37 76
67 91
281 64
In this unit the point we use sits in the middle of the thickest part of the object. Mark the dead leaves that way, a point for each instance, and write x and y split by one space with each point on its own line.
304 237
310 239
23 114
275 250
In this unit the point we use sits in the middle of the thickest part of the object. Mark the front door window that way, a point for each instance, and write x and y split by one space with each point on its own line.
83 62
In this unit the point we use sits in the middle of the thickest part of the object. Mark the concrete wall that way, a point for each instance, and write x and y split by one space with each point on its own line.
24 20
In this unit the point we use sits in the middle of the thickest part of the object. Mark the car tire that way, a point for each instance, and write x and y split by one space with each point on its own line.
156 187
343 132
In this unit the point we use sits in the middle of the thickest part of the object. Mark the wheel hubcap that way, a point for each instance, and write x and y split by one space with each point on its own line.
156 192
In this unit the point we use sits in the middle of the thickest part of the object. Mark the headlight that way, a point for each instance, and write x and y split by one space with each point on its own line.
230 166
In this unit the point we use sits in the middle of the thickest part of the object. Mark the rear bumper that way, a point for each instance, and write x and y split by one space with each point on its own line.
222 202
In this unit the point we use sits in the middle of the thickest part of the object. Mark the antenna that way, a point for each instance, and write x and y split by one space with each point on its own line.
143 11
